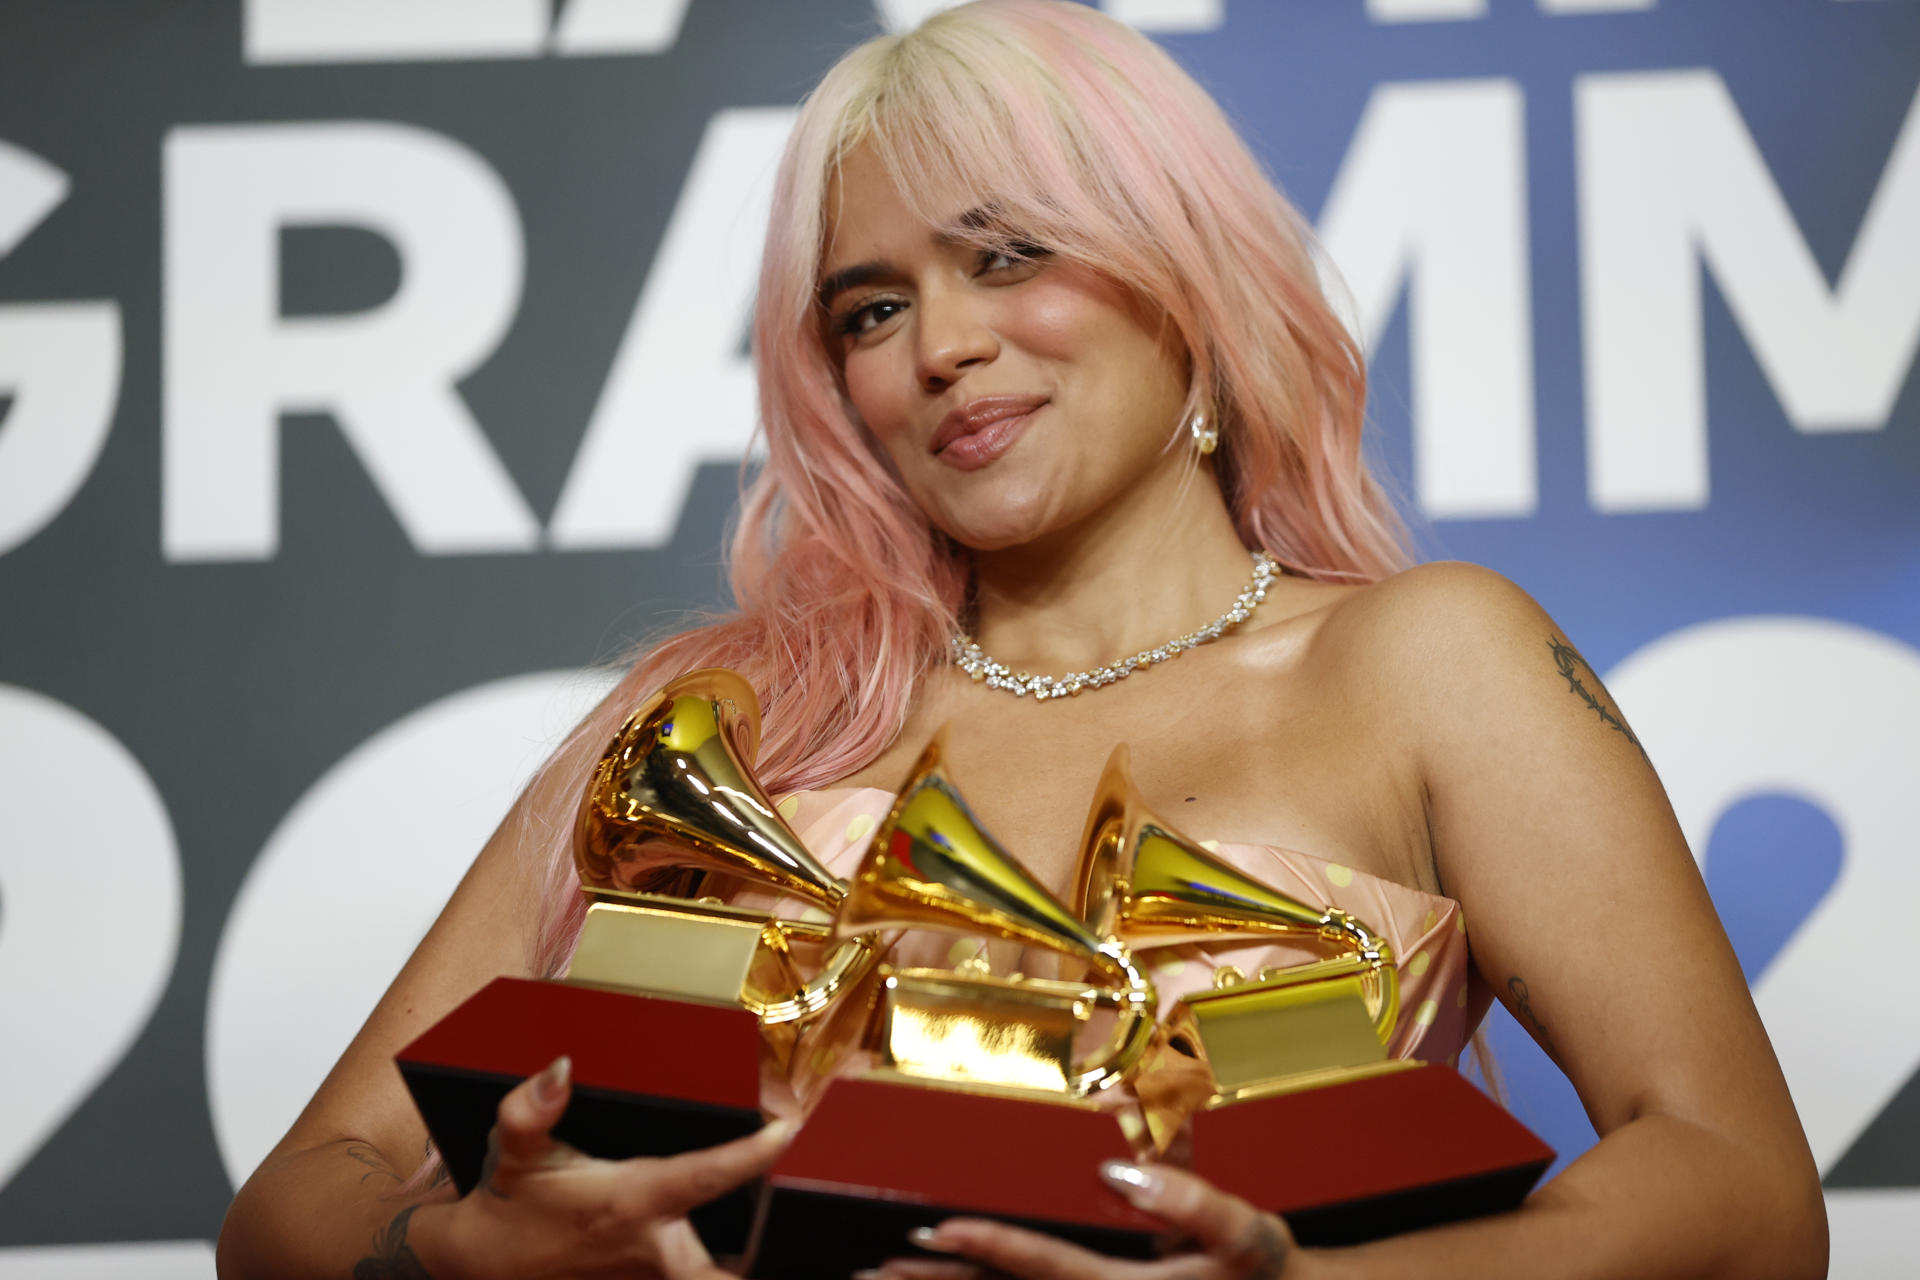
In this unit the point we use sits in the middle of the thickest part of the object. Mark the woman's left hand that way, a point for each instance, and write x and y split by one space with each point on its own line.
1225 1238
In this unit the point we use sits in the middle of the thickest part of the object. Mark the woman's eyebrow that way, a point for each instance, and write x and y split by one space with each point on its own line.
850 278
978 218
964 228
973 220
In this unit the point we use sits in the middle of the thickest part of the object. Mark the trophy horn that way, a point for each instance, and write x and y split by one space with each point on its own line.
673 795
1145 883
933 866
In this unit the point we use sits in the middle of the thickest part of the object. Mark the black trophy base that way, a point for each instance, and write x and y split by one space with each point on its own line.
459 1108
651 1078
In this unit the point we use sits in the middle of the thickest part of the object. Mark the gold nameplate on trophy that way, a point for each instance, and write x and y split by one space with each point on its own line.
1015 1033
1286 1029
682 950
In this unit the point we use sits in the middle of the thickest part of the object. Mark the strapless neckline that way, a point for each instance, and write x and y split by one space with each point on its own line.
1329 868
1441 1002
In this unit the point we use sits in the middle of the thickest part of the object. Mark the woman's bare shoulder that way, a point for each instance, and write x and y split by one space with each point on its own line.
1429 626
1437 593
1454 662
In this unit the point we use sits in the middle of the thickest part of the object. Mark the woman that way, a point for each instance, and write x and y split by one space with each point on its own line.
1042 356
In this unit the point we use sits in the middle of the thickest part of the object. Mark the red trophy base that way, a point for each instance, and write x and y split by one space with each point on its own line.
650 1078
876 1158
1371 1157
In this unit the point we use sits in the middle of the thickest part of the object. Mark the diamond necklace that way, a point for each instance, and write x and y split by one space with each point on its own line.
969 657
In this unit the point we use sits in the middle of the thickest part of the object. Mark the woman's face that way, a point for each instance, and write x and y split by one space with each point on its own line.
1015 395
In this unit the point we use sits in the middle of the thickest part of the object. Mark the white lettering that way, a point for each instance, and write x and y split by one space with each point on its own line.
148 1260
30 189
1169 15
899 16
619 26
680 393
286 997
80 971
282 31
59 366
1834 724
1595 6
1425 10
1670 176
387 375
1431 201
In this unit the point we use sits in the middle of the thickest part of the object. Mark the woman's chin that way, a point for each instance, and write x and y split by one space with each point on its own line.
1000 525
1002 529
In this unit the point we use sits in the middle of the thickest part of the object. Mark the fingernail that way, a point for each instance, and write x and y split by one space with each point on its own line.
1130 1180
928 1238
781 1130
551 1083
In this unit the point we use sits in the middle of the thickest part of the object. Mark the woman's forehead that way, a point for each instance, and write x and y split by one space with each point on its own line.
868 205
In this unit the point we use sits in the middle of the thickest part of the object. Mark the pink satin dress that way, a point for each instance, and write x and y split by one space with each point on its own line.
1440 1004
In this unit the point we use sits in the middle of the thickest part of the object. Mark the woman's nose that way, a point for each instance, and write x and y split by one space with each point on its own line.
952 336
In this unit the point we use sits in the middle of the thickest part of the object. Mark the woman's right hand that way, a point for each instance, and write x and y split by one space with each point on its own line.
544 1209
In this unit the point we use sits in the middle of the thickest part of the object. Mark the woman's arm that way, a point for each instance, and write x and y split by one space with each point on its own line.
329 1200
1587 914
317 1203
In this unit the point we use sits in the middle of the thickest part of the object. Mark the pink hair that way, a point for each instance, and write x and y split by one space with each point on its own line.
1090 140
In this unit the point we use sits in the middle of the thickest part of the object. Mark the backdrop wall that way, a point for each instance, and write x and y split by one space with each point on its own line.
369 369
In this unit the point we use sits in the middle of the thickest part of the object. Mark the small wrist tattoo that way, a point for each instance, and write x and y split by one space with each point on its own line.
392 1258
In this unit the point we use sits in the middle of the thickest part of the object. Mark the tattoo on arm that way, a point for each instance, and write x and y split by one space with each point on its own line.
376 1165
1517 987
1571 665
392 1258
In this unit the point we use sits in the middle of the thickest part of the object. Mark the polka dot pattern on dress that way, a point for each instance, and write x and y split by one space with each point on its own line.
964 950
789 807
1338 876
859 827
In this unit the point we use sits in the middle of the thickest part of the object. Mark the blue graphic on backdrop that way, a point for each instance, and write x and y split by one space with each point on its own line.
1795 522
1771 860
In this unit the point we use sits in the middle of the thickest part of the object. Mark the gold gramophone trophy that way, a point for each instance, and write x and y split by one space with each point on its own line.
980 1104
1306 1115
672 1001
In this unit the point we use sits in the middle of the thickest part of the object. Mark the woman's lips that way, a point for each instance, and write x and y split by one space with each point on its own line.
977 448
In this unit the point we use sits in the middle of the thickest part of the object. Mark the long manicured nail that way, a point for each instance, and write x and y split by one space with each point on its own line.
928 1238
549 1084
1130 1180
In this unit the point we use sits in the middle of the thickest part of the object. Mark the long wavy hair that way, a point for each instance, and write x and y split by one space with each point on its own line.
1087 138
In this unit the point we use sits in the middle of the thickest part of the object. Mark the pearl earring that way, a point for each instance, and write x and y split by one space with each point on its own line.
1205 435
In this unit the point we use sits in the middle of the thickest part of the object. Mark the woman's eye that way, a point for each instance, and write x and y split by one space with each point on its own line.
869 315
1018 254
